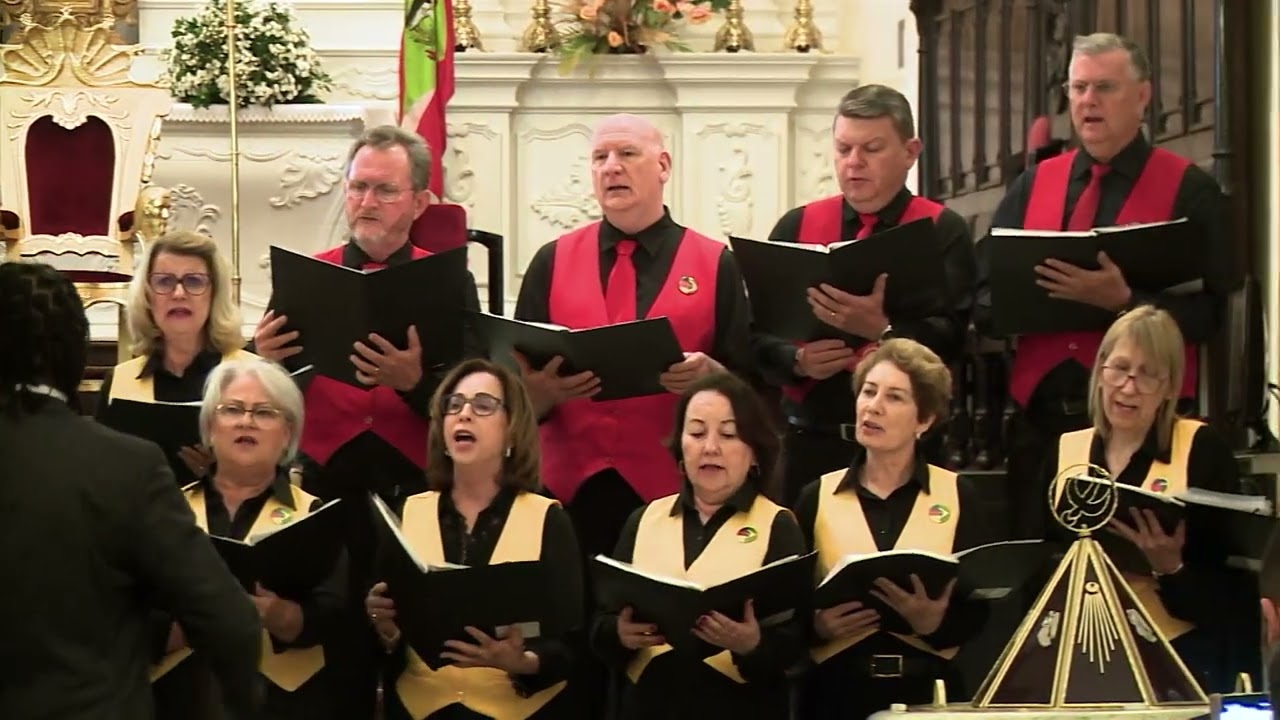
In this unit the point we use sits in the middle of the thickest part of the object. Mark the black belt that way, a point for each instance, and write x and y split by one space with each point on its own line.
882 667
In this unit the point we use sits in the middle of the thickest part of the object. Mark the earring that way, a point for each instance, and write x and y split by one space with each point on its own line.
508 452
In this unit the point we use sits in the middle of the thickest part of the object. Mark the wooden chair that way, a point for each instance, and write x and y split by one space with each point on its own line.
443 227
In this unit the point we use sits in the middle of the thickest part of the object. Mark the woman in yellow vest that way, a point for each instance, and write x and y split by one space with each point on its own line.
484 508
720 526
183 321
1139 439
890 498
252 417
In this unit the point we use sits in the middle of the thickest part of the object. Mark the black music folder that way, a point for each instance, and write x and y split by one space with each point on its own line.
778 591
627 357
436 603
1154 257
994 570
333 306
1239 525
778 276
290 560
172 426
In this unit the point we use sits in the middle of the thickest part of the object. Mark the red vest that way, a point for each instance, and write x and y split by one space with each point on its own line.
1150 200
338 412
820 224
583 437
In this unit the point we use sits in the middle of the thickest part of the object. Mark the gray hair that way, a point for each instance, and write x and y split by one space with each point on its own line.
1103 42
385 137
277 383
869 102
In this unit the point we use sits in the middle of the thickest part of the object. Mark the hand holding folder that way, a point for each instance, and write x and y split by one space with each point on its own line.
333 307
290 560
778 591
628 358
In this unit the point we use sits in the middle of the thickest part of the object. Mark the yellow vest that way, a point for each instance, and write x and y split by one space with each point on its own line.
840 529
488 691
1167 478
126 385
287 670
659 548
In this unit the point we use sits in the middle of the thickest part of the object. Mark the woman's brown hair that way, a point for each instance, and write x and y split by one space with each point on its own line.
521 468
930 377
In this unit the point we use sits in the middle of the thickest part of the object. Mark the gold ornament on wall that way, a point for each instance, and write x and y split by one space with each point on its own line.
466 36
123 14
803 34
734 35
540 35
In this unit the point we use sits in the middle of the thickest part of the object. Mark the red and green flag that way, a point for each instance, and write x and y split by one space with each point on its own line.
426 76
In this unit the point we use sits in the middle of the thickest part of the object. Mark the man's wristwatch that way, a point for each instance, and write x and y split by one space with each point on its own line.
1158 575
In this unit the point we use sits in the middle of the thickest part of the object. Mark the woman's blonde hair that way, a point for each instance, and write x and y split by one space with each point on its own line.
1154 332
222 332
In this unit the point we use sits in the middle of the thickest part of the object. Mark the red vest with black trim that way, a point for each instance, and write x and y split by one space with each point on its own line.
1151 200
821 223
338 412
583 437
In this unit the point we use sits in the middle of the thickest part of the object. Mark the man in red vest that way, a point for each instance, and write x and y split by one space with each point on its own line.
603 460
374 439
875 148
1115 178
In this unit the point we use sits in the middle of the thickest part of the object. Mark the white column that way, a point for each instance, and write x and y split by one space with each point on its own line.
814 175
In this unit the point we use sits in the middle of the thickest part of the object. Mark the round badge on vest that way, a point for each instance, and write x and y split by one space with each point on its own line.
939 513
280 516
747 535
1159 485
687 285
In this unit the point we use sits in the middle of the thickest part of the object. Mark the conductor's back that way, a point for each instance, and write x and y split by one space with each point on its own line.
94 535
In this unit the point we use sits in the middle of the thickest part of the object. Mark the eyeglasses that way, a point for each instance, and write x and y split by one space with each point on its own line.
263 415
166 283
357 189
482 404
1077 88
1142 382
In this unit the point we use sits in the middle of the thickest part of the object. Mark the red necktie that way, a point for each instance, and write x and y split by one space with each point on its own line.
869 221
371 266
620 294
1086 209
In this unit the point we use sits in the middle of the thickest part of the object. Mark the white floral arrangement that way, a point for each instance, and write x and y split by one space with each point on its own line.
274 59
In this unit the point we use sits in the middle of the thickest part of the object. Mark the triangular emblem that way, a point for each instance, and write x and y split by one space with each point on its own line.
1088 642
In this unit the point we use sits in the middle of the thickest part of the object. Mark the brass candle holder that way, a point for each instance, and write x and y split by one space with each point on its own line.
466 36
540 36
803 35
734 35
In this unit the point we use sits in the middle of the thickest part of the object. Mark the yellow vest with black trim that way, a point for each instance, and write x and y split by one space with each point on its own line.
126 385
488 691
840 528
1165 478
737 548
287 670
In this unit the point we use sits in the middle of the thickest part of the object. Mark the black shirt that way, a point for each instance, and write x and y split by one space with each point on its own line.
830 403
1199 199
886 518
655 253
676 686
559 553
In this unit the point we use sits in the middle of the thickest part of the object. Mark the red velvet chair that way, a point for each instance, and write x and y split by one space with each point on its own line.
443 227
84 131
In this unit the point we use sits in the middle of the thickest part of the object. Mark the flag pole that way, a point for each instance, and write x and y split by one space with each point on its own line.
233 124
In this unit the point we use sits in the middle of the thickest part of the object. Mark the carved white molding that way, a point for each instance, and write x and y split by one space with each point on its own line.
220 156
189 211
735 202
308 177
276 114
459 173
368 83
69 109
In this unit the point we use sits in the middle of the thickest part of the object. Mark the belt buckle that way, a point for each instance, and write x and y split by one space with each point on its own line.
880 664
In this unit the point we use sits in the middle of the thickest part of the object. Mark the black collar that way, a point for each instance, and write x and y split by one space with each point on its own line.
919 471
353 256
1150 449
501 502
202 364
1129 162
887 216
740 501
650 238
281 487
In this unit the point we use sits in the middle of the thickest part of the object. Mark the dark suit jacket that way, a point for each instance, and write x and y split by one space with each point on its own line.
93 533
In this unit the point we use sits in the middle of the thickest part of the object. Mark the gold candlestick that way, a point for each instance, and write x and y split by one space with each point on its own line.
803 35
233 127
465 34
734 34
541 35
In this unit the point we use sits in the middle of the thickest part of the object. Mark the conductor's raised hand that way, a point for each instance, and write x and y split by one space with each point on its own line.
547 388
821 359
271 344
845 619
634 635
381 611
683 374
385 364
922 612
